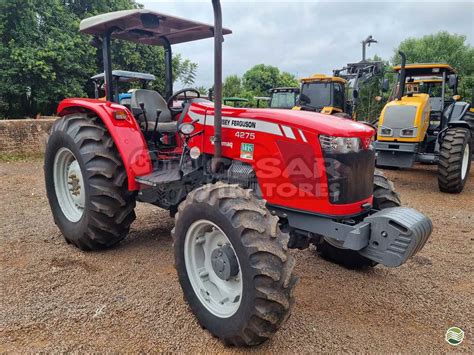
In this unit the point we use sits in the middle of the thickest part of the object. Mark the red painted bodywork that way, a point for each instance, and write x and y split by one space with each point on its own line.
287 156
283 160
126 134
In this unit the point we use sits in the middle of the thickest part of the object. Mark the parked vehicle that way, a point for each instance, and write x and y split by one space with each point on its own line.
338 95
121 76
423 124
283 97
325 94
242 184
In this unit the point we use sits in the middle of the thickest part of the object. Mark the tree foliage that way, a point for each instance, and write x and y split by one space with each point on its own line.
232 86
256 82
261 78
43 57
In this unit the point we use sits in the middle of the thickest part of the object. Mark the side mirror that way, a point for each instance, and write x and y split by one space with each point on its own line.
452 81
385 85
355 94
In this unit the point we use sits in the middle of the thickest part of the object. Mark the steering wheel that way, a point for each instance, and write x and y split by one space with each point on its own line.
173 97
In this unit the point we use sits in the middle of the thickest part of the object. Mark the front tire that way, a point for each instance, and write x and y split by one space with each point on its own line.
86 183
233 264
454 160
332 250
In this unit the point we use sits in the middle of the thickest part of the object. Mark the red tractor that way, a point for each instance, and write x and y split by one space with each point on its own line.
244 185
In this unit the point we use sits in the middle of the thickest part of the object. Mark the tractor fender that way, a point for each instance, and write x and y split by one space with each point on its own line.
126 133
462 124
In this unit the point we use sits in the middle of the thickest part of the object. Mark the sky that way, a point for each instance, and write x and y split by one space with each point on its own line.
308 37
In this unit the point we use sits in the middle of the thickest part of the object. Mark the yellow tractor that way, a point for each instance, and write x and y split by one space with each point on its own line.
325 94
426 122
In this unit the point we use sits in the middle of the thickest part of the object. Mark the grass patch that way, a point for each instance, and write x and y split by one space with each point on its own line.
11 158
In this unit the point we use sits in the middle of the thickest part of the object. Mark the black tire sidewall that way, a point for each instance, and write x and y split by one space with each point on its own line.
56 141
467 140
222 327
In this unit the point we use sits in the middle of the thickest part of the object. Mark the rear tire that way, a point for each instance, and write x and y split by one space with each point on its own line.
454 160
332 250
256 312
102 216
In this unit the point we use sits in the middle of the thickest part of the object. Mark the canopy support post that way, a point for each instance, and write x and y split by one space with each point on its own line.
107 59
216 161
168 69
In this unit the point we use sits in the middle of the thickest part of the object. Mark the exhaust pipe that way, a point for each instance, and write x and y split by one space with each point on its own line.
216 161
401 81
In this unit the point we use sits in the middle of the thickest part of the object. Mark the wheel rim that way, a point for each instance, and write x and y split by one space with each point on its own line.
203 242
465 161
334 242
69 184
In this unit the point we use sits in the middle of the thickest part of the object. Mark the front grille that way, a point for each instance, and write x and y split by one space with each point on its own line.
398 118
242 174
350 176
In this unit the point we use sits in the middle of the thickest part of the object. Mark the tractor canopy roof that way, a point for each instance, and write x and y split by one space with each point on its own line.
126 76
284 89
426 69
147 27
323 78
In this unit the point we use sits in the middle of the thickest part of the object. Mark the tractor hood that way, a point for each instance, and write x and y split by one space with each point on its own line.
305 120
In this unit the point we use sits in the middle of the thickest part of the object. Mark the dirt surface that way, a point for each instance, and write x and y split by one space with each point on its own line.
56 298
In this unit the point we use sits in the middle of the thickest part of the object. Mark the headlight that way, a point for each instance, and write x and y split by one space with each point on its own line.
385 131
340 144
408 132
186 128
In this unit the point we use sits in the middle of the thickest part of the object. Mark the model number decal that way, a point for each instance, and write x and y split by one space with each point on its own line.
245 135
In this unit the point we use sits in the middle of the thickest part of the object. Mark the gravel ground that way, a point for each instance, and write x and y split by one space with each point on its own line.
56 298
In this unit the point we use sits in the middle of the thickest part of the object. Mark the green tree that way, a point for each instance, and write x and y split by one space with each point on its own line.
442 47
288 80
261 78
43 57
41 60
184 70
204 91
232 86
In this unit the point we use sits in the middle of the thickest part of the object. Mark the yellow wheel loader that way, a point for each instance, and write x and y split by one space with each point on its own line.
426 122
338 94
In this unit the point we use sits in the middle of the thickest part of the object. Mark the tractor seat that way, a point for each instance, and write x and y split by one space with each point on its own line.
153 101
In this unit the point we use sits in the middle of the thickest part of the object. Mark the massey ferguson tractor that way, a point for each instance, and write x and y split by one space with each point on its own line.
243 185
